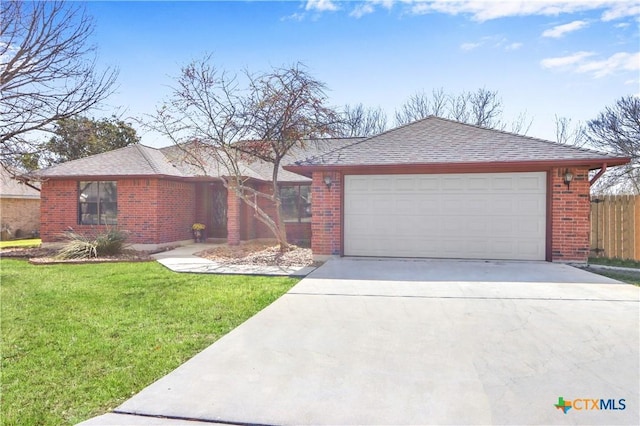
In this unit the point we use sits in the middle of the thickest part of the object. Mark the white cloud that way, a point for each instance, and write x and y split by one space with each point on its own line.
470 46
560 30
579 62
513 46
564 61
486 10
293 17
621 61
321 6
362 9
621 10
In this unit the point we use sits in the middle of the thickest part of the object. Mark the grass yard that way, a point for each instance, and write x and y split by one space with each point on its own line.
78 340
631 277
626 263
30 242
624 276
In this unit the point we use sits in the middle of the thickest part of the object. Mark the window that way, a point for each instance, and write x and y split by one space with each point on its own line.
296 203
97 203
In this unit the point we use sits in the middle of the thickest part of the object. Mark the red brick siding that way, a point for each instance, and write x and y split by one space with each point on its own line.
326 209
570 216
202 200
299 233
153 210
176 210
233 218
58 208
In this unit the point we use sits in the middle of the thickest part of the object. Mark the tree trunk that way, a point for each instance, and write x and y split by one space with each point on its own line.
280 225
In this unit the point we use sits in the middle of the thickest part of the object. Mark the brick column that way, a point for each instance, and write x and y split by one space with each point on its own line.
570 216
233 218
326 218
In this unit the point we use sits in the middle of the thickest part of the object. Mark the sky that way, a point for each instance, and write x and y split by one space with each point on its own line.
544 58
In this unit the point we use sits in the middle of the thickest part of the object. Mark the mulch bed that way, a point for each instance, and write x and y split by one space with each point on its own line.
259 253
46 256
249 253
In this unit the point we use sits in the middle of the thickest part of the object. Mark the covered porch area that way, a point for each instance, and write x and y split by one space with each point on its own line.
229 219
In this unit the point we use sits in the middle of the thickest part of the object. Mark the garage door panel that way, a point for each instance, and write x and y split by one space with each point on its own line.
496 216
427 184
531 183
406 184
451 183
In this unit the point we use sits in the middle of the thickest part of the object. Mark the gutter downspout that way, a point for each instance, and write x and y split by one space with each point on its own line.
599 174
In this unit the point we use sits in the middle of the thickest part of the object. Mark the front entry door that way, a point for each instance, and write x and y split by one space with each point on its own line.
218 206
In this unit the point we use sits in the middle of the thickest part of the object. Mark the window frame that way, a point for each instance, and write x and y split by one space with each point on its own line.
300 203
94 216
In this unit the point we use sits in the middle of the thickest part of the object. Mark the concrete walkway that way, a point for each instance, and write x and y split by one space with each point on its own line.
369 341
183 259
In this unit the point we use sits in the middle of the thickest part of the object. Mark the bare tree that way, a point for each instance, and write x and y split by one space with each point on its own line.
47 71
358 120
279 110
569 134
486 108
459 109
617 130
481 108
420 105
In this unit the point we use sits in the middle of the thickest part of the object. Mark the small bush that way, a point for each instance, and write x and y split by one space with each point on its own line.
109 243
77 247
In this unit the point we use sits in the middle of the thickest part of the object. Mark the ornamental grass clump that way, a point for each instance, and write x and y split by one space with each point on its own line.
78 246
111 242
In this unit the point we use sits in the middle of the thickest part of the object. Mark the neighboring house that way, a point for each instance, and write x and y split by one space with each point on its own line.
432 188
19 208
158 194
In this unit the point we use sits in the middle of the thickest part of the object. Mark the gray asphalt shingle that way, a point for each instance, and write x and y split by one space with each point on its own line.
176 161
436 140
132 160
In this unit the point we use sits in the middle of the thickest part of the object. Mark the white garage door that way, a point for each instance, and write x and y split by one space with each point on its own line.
472 216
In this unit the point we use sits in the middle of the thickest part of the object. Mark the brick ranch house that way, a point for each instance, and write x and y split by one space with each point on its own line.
158 194
432 188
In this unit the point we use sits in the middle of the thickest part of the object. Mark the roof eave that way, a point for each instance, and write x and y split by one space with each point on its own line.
468 167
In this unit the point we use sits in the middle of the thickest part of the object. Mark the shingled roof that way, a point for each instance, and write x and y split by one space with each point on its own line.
132 160
174 161
435 140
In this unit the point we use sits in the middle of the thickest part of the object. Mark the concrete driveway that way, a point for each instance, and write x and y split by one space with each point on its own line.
366 341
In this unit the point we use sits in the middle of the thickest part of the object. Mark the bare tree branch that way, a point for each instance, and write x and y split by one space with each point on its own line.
357 120
215 122
481 108
617 130
47 71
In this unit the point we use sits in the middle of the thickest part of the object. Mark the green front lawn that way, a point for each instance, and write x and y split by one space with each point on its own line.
30 242
624 276
626 263
78 340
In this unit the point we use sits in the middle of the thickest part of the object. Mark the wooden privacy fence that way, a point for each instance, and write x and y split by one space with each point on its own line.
615 226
